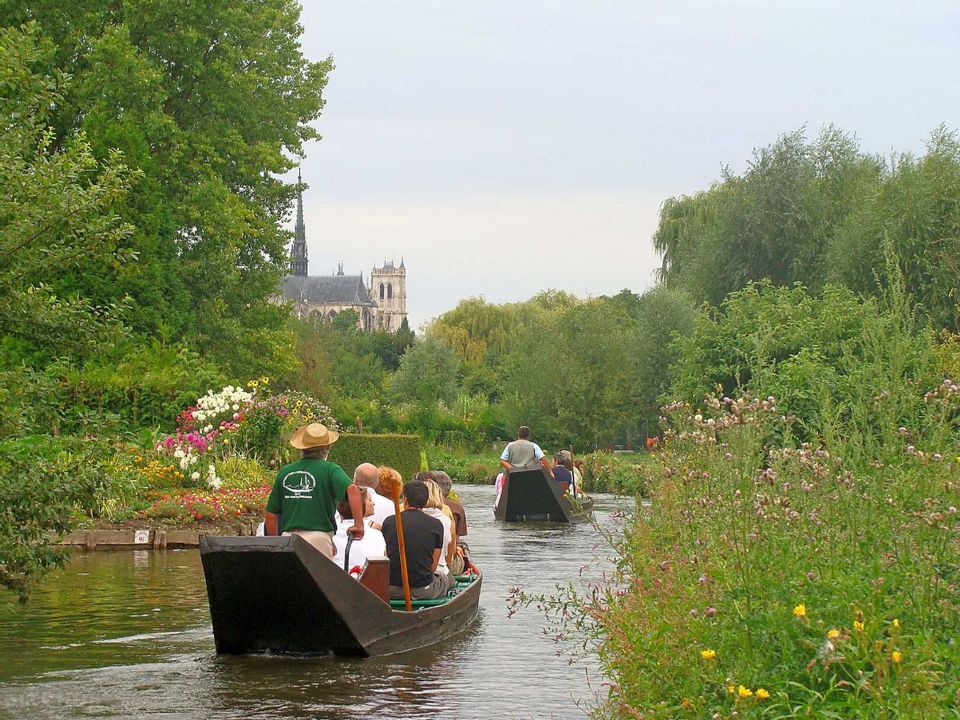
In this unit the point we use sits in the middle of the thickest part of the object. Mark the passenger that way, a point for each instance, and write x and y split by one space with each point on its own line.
390 484
368 476
423 543
436 508
371 545
459 514
521 453
577 470
305 492
459 522
560 472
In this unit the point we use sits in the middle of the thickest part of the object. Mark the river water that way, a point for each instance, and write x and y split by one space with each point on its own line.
127 635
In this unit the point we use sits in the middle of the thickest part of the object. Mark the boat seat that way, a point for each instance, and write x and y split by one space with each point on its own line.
461 581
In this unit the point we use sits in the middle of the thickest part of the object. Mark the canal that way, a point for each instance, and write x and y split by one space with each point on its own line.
127 635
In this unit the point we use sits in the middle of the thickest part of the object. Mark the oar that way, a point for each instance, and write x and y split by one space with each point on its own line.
395 492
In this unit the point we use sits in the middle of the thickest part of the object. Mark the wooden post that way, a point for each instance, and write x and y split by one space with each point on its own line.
403 549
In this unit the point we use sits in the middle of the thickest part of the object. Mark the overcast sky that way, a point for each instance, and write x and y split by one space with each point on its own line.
506 147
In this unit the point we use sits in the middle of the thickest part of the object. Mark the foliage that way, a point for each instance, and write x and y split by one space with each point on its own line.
39 501
472 468
607 472
401 452
786 581
823 211
830 359
210 102
56 210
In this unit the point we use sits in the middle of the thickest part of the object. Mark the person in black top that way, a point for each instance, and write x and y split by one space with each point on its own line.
560 472
423 541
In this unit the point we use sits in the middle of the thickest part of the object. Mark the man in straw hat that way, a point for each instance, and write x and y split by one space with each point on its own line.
306 492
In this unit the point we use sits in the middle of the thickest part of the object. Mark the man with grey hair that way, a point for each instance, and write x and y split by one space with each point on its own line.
368 475
459 519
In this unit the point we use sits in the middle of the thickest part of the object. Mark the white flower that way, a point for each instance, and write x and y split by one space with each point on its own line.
194 475
236 407
178 453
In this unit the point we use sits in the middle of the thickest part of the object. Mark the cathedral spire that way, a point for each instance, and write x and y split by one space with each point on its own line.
299 253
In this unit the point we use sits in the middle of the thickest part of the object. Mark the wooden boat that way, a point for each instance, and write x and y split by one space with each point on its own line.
281 595
530 495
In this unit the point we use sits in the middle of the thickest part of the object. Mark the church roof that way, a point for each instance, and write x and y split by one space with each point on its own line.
326 290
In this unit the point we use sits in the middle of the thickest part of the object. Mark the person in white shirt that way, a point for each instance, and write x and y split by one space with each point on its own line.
367 476
370 545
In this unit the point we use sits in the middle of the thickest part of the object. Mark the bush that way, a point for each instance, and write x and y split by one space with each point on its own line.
606 472
464 468
401 452
242 473
775 581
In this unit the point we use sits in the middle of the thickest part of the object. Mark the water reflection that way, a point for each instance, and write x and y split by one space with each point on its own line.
127 635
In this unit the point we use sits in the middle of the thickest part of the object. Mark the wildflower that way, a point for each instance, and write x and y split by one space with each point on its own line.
744 692
896 623
833 634
896 656
708 654
800 611
762 694
858 626
685 703
731 689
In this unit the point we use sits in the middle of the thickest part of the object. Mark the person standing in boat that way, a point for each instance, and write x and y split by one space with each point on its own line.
522 453
304 495
423 541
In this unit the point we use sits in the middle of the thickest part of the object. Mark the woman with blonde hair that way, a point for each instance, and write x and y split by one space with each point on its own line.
437 508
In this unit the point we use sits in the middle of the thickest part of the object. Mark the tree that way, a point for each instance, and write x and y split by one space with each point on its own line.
211 101
773 222
427 373
55 212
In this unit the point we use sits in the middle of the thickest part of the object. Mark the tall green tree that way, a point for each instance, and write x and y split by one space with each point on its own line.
211 101
54 212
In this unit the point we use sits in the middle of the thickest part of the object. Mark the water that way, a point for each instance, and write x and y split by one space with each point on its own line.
127 635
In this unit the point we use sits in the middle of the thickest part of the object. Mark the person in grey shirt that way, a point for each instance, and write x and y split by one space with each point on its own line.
522 453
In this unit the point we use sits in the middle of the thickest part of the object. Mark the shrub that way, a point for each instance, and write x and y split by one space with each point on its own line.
401 452
461 467
778 581
607 472
242 473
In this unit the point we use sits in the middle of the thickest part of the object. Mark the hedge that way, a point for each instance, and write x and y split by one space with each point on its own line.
398 451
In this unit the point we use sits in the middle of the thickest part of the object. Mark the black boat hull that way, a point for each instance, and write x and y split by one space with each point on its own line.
281 595
530 495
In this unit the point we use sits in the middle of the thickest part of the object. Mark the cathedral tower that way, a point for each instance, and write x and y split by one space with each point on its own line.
388 288
299 253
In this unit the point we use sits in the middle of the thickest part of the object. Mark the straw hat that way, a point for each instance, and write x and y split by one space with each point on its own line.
313 435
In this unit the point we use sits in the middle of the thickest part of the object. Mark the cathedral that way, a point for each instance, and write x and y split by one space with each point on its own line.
380 306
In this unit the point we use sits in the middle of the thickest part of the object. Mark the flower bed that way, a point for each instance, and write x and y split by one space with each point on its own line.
195 505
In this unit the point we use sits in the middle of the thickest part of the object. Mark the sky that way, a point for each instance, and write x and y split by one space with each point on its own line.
501 148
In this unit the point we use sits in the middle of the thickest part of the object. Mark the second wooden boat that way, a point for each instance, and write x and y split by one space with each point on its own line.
530 495
281 595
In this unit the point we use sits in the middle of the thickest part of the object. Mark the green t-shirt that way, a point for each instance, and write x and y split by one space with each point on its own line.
306 494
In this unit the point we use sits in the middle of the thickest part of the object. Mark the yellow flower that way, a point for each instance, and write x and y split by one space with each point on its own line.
685 703
264 379
896 623
762 694
744 692
858 626
731 689
708 654
896 656
226 441
833 634
800 611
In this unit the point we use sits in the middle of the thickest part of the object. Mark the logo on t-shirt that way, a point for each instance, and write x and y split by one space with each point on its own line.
300 483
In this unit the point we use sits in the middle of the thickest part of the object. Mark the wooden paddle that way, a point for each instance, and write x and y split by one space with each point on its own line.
395 490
